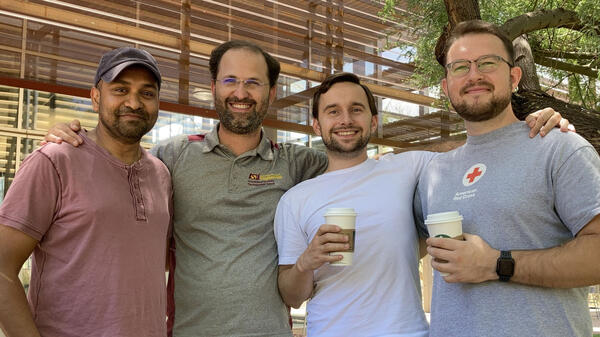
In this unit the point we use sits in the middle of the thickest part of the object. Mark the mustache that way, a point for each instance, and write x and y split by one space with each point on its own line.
477 84
127 111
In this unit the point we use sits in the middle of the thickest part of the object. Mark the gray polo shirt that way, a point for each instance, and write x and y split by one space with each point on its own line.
226 256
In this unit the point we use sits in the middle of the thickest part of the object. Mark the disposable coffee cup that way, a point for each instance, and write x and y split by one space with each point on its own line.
345 218
445 225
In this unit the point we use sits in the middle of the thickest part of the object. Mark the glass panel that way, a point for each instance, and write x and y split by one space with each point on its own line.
9 104
8 151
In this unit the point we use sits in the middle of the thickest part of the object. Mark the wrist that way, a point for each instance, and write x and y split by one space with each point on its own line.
505 267
298 265
493 266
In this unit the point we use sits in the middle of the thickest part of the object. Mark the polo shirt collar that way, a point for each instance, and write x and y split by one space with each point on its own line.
264 148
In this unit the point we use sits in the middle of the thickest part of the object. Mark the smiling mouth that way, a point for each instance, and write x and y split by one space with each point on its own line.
240 107
346 132
477 90
134 116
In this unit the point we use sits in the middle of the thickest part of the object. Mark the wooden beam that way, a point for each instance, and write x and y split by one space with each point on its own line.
425 122
363 56
296 98
174 42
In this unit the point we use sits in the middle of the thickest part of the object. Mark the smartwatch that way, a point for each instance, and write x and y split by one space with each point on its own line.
505 267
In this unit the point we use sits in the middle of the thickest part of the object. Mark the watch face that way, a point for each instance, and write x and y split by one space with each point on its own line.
506 267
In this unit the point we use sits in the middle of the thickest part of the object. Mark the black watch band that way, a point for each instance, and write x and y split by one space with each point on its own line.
505 267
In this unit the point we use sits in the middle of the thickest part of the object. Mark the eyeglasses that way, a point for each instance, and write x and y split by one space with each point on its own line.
485 64
249 84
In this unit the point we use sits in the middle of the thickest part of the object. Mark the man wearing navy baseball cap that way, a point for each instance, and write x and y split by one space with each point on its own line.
112 63
95 217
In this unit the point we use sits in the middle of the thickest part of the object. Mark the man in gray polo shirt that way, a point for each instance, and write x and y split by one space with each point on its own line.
226 186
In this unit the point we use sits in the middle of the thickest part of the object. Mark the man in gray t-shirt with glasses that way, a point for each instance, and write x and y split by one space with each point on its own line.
530 206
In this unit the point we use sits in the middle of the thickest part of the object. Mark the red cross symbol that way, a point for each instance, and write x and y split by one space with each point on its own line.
476 173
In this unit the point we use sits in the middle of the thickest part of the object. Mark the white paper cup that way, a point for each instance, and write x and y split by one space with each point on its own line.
345 218
445 225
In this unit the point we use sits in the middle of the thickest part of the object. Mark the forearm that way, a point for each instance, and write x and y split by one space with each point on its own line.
422 248
15 316
295 286
443 146
574 264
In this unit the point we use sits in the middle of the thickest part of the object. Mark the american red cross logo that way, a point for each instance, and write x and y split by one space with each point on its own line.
473 174
476 173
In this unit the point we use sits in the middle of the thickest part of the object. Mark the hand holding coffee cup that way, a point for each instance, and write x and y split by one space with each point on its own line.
345 218
328 239
445 225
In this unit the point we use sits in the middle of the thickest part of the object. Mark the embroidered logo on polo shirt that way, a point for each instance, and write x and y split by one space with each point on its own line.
255 179
473 174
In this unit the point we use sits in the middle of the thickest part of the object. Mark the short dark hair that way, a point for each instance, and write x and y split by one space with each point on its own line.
476 27
273 66
337 78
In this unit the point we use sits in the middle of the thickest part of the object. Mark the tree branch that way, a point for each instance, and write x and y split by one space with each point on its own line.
566 55
543 19
572 68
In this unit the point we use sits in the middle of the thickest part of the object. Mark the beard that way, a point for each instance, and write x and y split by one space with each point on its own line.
130 131
241 125
481 111
356 148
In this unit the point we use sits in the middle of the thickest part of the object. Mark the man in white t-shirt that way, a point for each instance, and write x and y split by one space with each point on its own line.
379 294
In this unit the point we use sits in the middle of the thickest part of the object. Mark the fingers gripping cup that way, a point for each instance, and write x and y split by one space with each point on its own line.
345 218
445 225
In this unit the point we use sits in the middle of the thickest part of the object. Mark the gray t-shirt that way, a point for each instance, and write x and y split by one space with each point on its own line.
226 258
517 194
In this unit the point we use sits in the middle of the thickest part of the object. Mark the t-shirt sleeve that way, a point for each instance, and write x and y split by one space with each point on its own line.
291 239
577 188
33 199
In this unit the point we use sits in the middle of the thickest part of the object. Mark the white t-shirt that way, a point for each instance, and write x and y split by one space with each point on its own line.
379 294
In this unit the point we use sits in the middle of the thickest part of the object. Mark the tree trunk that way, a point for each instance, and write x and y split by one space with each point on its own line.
458 11
462 10
585 120
531 98
524 60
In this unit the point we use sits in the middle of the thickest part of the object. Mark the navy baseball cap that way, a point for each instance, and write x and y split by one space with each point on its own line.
112 63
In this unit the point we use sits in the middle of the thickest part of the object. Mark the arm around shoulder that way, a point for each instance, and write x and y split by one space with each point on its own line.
309 162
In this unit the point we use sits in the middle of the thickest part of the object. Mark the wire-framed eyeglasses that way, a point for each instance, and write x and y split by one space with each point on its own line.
485 64
249 84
